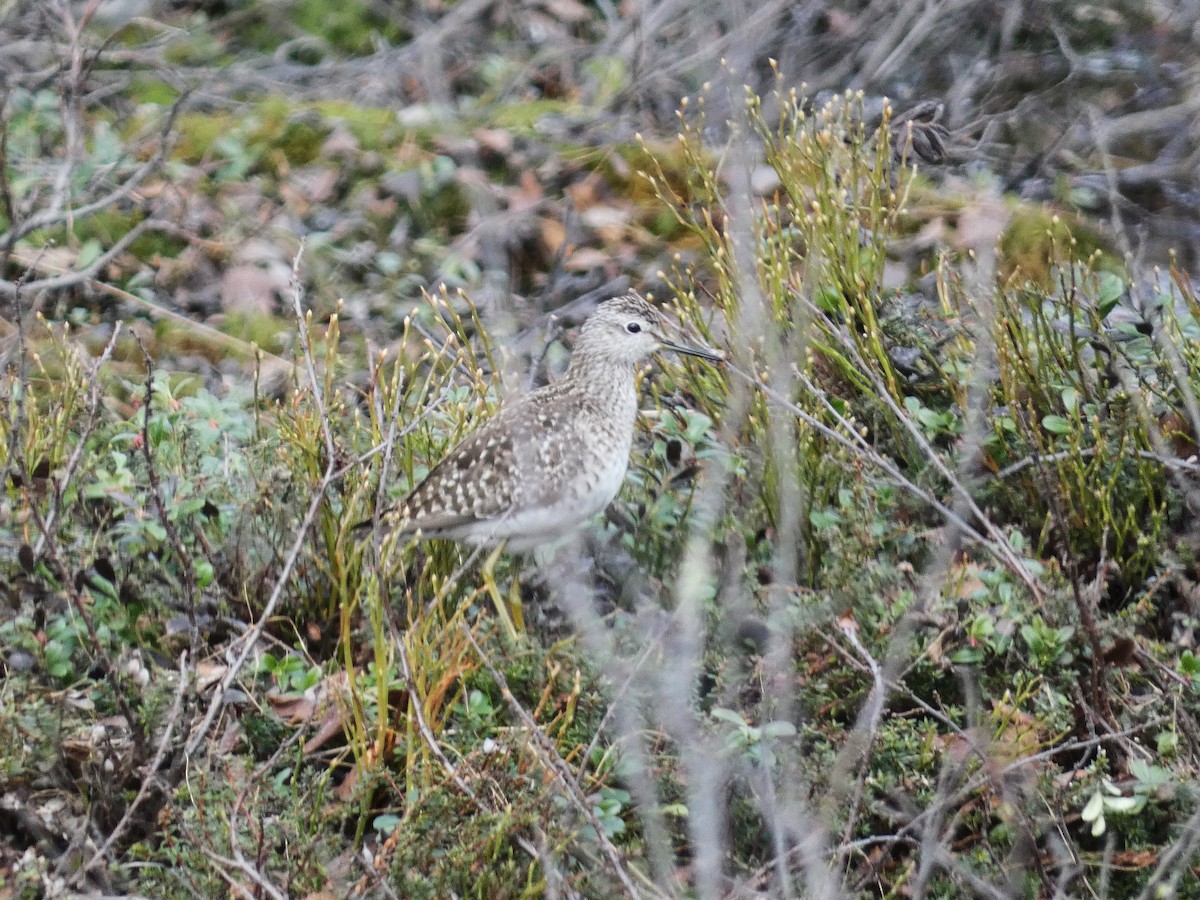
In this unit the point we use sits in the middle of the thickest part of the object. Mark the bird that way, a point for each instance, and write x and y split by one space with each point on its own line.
549 461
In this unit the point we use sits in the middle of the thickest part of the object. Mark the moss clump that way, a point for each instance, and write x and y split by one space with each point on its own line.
1037 239
351 26
445 846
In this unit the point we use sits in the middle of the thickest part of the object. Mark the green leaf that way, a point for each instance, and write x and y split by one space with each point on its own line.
88 253
1120 804
1112 289
824 519
722 714
1094 808
204 573
155 530
1056 424
698 426
386 823
779 729
968 656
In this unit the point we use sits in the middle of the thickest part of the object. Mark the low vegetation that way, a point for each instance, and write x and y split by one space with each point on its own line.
899 601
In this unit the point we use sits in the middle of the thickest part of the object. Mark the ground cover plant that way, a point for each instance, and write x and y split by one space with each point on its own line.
899 601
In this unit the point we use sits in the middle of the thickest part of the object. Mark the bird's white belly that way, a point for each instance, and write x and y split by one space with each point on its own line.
536 525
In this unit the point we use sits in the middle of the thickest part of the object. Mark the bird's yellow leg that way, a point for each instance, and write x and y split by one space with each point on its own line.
509 610
514 601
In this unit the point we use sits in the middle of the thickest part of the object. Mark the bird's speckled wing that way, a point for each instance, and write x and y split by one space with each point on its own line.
480 478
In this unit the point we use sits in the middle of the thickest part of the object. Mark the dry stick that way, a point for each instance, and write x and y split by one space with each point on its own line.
652 645
389 440
1041 756
598 644
1085 606
940 825
160 312
431 741
93 413
253 781
980 782
185 558
46 539
57 216
1182 465
896 685
704 767
387 447
859 446
866 728
249 871
1139 124
331 474
1166 347
999 545
423 728
6 197
70 86
555 765
151 778
1173 863
891 48
956 870
77 597
17 421
73 277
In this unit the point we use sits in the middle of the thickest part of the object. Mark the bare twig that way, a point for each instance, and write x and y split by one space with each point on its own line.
857 748
250 639
240 863
556 767
164 518
85 432
423 728
150 779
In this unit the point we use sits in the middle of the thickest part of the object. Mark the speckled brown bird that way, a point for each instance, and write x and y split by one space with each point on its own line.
549 461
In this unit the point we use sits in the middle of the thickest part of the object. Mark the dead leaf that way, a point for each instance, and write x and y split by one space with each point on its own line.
498 142
981 223
249 289
208 674
585 259
569 11
552 233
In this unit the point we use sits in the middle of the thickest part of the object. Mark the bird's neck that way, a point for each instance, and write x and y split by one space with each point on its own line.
608 387
599 375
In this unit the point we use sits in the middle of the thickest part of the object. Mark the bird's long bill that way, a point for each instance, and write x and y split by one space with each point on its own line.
710 355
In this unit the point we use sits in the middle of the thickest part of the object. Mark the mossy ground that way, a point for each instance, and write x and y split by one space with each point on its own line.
899 601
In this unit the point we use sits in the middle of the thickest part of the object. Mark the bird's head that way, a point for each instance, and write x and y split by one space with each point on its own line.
628 329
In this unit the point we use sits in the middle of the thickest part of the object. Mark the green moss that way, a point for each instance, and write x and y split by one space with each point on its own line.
198 132
144 89
1037 238
351 26
282 127
267 331
202 47
276 133
448 847
524 116
373 128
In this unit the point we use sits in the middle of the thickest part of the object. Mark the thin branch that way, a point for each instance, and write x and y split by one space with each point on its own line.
556 766
85 432
151 778
250 639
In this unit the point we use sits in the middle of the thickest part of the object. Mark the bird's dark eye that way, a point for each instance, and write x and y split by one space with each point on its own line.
633 327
